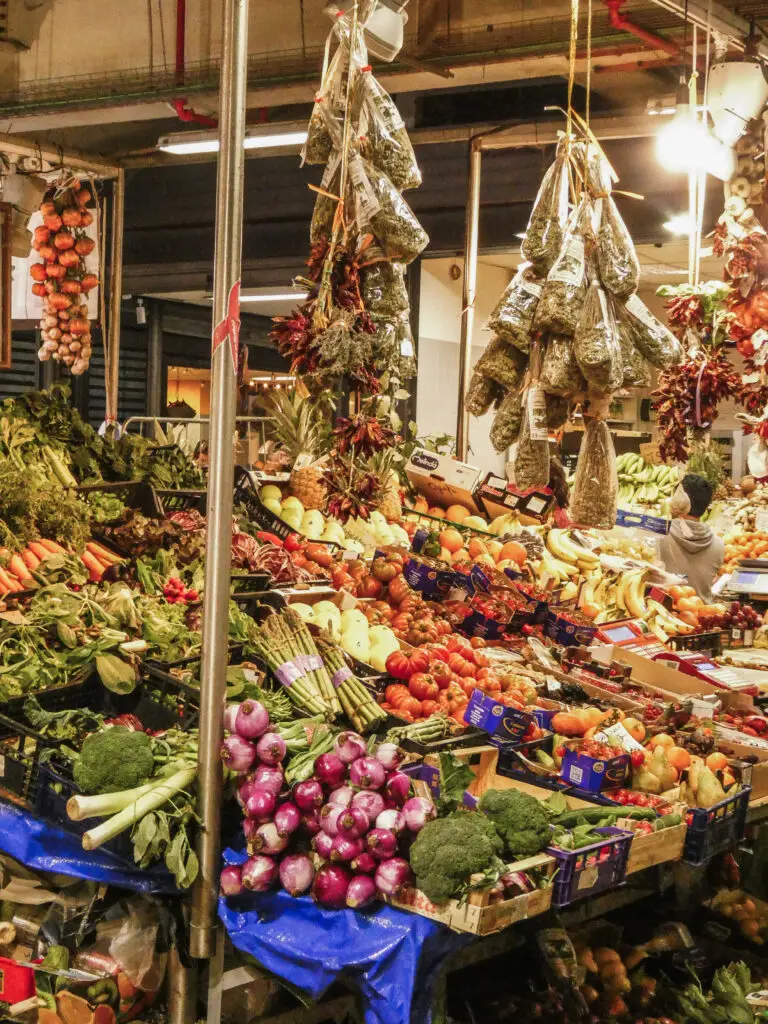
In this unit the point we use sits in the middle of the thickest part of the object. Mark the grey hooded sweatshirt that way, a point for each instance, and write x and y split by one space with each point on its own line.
691 549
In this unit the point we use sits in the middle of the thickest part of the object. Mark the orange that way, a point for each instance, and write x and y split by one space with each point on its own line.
717 762
728 780
635 729
436 513
476 547
456 513
421 504
451 539
662 740
590 609
689 618
514 551
461 556
676 592
678 757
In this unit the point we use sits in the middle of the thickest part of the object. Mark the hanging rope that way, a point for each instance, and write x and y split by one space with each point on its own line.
572 60
589 62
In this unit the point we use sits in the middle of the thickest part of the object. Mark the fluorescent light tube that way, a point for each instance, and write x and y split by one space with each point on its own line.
275 297
189 143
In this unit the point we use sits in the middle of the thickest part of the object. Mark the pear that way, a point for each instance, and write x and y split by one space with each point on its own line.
273 505
292 502
569 591
293 516
381 634
333 531
271 491
378 657
475 523
709 791
384 536
350 544
355 642
312 524
353 617
645 780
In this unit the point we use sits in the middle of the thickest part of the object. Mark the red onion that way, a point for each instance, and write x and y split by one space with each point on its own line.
269 776
237 754
381 843
249 828
259 873
329 888
353 823
392 875
367 773
343 796
370 802
392 820
398 787
267 840
322 844
252 720
308 795
331 770
230 716
296 873
361 892
287 818
271 748
310 823
389 755
243 791
260 805
346 849
365 864
418 811
349 746
329 817
230 881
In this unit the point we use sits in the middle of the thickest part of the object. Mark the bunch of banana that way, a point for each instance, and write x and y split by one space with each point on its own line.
664 623
561 546
643 484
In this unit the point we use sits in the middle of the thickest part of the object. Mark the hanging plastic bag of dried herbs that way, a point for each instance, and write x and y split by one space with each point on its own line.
321 225
618 265
502 363
380 209
565 289
544 234
382 132
384 292
512 317
560 373
654 340
506 423
325 129
594 499
637 369
530 464
558 410
482 393
596 345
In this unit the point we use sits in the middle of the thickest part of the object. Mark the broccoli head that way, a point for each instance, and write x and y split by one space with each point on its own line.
113 760
448 851
521 821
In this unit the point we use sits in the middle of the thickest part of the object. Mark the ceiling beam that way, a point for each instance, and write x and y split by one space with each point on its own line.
17 145
717 17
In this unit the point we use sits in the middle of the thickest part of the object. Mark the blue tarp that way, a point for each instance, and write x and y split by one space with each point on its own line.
43 847
391 956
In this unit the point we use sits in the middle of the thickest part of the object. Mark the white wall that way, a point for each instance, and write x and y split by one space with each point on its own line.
439 337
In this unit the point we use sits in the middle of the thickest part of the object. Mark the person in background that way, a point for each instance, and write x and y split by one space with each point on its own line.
558 484
201 455
691 548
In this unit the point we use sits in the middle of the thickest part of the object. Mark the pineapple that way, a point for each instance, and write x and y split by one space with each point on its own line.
383 464
302 427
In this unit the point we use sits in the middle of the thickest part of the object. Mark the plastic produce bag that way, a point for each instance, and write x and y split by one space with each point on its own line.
384 292
506 423
513 315
560 373
380 209
321 225
654 340
544 234
481 395
530 464
382 132
565 289
617 261
324 128
637 369
502 363
558 409
596 345
594 499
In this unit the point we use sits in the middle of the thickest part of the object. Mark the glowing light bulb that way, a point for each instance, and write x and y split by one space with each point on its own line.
686 145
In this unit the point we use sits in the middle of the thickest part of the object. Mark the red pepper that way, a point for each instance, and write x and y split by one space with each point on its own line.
270 538
292 542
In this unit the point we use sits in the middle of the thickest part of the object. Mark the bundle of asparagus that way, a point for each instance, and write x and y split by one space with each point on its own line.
358 702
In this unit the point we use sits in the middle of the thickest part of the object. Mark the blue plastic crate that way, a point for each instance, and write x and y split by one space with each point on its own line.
592 869
711 830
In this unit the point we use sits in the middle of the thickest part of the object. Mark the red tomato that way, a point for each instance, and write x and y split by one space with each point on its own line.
443 627
423 686
402 620
412 706
481 660
371 587
398 589
437 652
403 664
477 642
429 707
458 716
441 673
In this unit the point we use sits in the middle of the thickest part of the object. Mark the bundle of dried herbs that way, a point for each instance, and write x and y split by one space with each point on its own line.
560 373
637 369
558 410
384 292
565 289
544 234
507 421
615 251
481 395
596 345
530 464
324 212
382 132
654 340
324 129
502 363
380 209
594 499
512 317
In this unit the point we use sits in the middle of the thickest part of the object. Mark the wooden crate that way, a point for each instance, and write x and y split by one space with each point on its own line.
654 848
479 914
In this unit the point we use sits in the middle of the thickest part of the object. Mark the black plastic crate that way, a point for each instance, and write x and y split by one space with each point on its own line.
250 583
710 642
182 501
135 494
160 678
712 830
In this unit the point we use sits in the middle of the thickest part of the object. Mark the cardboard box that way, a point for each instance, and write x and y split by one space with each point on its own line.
654 524
502 723
498 497
644 670
442 480
593 775
560 629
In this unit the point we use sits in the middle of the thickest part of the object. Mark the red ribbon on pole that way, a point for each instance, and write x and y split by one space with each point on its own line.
229 327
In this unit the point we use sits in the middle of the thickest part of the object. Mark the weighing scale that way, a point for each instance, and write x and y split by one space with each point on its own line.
632 635
750 581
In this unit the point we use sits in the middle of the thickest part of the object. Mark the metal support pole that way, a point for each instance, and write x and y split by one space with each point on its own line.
224 354
182 990
469 292
115 295
155 360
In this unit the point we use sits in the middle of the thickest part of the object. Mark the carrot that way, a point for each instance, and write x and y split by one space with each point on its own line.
53 547
102 561
18 568
94 567
30 559
9 581
37 549
102 553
